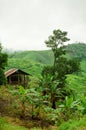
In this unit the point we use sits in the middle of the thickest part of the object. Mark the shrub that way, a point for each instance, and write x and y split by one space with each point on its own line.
73 124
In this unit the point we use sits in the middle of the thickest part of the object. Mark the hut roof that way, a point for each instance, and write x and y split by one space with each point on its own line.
13 70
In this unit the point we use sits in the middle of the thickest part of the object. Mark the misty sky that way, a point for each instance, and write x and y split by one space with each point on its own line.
26 24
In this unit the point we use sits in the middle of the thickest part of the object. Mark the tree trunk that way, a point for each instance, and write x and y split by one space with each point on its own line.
53 101
54 104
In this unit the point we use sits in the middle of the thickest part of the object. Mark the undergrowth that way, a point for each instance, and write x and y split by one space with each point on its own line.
4 125
74 125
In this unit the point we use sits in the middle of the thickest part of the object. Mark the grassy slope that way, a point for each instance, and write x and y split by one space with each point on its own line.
44 57
4 125
77 50
30 61
74 125
78 82
34 61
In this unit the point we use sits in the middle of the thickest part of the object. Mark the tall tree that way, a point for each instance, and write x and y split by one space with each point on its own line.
61 66
3 63
55 42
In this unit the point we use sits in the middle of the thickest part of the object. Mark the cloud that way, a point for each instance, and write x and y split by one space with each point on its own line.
26 24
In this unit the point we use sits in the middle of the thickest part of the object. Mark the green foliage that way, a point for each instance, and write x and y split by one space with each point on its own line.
69 108
36 128
77 50
47 70
4 125
82 105
2 122
61 67
58 38
22 97
30 61
83 67
50 89
70 103
2 77
3 63
55 42
28 96
34 61
73 125
35 56
55 87
77 83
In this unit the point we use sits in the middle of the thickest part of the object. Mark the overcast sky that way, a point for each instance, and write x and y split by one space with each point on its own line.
26 24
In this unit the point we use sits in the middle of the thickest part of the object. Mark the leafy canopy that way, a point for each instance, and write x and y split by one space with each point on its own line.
60 68
3 63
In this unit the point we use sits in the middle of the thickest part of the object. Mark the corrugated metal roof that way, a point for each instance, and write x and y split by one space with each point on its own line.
13 70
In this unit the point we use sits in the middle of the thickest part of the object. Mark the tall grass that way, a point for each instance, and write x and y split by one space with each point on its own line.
74 125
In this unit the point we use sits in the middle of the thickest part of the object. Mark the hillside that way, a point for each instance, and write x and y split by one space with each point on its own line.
77 50
34 61
30 61
72 114
35 56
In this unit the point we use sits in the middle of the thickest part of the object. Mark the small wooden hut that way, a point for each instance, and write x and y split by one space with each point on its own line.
16 77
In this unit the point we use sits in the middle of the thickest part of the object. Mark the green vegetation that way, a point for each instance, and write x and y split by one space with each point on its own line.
74 125
55 97
34 61
30 61
77 50
3 63
4 125
56 86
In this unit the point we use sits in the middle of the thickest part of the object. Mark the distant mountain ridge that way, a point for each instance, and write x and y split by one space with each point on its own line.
77 50
34 61
44 57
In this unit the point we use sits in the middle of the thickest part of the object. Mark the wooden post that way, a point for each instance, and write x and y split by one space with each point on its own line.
9 80
24 80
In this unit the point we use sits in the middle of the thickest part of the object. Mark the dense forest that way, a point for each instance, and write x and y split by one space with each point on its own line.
55 96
